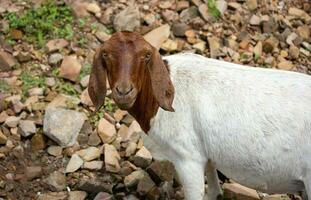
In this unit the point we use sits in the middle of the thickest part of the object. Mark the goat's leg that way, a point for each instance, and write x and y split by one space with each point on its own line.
214 191
191 175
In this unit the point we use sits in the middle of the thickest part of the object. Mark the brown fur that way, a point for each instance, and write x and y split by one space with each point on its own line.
126 59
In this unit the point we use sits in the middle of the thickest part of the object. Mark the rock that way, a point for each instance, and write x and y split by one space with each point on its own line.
94 139
285 65
200 46
157 36
119 114
142 158
93 165
258 49
70 68
55 58
12 121
79 8
85 98
103 196
85 81
234 6
304 52
234 190
7 61
93 8
179 29
37 142
63 125
33 172
269 45
291 37
169 45
277 197
181 5
299 13
269 26
161 171
53 196
255 20
133 179
23 56
203 10
304 32
222 6
214 46
74 163
3 138
307 46
294 51
94 184
3 116
149 18
112 158
145 185
102 35
55 150
188 14
77 195
16 34
165 4
56 44
106 131
35 91
169 15
127 20
26 128
130 149
64 101
251 4
57 180
50 81
89 153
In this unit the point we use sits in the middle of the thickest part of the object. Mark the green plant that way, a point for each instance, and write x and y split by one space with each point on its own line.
86 69
31 81
4 86
109 106
212 8
48 21
66 88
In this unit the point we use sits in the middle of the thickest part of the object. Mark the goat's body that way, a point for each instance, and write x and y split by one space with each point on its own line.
253 124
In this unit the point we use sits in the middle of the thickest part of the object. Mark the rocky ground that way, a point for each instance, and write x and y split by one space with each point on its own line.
53 147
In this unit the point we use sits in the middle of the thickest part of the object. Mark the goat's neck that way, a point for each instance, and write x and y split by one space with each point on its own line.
145 107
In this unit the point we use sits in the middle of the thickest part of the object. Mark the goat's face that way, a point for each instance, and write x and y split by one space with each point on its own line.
130 63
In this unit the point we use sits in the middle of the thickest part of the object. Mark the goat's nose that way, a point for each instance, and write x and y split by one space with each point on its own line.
123 90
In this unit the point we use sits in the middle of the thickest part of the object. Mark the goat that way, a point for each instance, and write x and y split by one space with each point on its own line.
252 124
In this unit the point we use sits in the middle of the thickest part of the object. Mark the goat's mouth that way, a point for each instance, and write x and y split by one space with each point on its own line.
125 102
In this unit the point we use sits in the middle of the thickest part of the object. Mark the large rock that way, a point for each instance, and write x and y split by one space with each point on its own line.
112 158
157 36
70 68
7 61
237 191
106 131
127 20
62 125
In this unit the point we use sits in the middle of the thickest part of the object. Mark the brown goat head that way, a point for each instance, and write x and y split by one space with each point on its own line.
131 65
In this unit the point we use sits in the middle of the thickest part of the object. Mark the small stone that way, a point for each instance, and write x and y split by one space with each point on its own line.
133 179
33 172
85 81
16 34
294 51
102 36
222 6
23 56
157 36
179 29
3 138
291 38
85 98
93 8
307 46
89 154
234 6
119 114
251 4
188 14
304 31
93 165
200 46
12 121
285 65
26 128
142 158
161 171
7 61
269 45
255 20
277 197
304 52
165 4
55 58
106 131
56 44
181 5
169 15
37 142
55 150
214 46
35 91
70 68
299 13
3 116
112 158
234 190
130 149
149 18
57 180
74 163
53 196
169 45
50 81
77 195
145 185
258 49
103 196
63 125
127 20
94 139
203 10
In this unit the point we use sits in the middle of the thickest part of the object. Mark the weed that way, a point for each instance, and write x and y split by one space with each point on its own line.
31 81
46 22
212 8
109 106
4 86
66 88
86 69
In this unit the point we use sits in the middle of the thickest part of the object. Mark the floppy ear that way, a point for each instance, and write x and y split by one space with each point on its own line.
97 84
162 87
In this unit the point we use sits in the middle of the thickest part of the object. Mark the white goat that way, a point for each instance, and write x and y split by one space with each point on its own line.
252 124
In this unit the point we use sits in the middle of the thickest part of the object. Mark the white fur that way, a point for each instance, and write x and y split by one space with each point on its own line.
252 124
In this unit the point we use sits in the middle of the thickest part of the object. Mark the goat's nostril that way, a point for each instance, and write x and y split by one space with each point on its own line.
124 91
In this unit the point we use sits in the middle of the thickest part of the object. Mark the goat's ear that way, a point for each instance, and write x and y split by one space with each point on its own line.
162 87
97 84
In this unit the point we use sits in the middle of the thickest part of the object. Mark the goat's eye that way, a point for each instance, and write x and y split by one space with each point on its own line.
148 56
105 54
